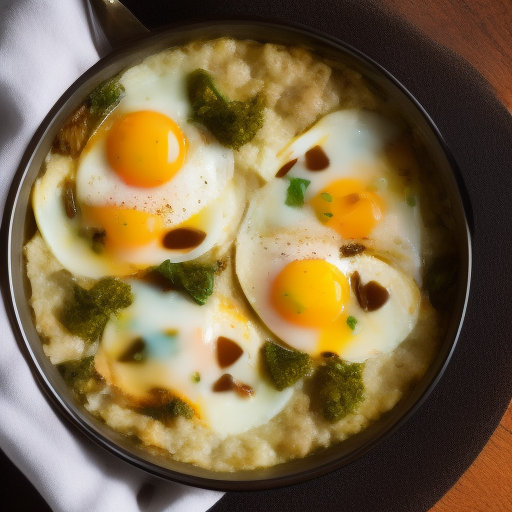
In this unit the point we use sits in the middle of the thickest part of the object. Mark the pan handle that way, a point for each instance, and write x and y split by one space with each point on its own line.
117 23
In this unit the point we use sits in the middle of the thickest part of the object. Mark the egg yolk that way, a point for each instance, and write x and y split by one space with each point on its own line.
349 207
124 228
145 148
310 293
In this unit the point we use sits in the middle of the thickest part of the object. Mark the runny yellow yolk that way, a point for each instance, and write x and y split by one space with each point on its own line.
124 228
349 207
145 148
310 293
128 229
313 294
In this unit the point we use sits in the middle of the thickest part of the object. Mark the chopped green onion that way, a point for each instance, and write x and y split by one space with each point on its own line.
194 279
327 214
351 322
326 196
411 201
296 192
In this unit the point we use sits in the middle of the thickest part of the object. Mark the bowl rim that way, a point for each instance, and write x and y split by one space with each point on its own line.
62 405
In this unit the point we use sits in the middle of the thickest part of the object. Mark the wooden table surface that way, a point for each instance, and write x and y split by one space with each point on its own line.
481 32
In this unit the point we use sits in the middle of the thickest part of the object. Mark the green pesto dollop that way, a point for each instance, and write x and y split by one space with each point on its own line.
75 132
167 407
286 366
233 123
194 279
88 313
338 387
77 374
105 97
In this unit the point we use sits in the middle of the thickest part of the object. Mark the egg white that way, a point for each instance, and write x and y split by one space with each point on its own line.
274 234
380 331
207 170
354 141
203 186
172 363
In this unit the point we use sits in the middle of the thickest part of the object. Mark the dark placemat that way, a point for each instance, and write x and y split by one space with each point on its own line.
412 469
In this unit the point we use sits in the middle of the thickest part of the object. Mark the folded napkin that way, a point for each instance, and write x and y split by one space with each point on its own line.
44 46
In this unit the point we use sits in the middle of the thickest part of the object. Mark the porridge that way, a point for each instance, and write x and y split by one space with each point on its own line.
240 259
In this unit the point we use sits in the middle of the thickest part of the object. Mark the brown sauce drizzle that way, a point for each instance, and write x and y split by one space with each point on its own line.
370 296
71 138
351 249
328 355
98 240
228 351
183 238
69 199
155 278
227 383
352 198
286 167
134 353
316 159
95 236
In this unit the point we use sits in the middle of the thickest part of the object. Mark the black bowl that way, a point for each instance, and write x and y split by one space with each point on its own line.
18 225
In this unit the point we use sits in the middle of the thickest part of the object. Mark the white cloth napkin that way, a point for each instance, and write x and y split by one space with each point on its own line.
44 46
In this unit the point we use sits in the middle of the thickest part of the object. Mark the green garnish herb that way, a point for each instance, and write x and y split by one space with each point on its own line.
296 192
97 239
77 374
72 137
411 201
165 406
105 97
328 214
338 387
326 197
233 123
196 377
76 371
352 322
286 366
196 280
88 313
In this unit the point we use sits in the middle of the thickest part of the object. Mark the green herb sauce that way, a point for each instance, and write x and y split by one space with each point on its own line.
338 387
286 366
88 313
233 123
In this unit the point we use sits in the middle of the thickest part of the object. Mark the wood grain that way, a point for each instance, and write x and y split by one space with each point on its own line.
478 30
487 484
481 32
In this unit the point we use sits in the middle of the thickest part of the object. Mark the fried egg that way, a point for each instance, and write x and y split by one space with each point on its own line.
208 356
317 302
339 270
362 184
148 186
